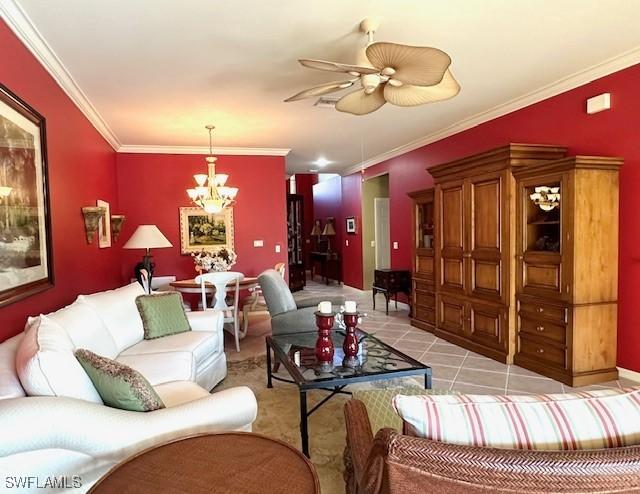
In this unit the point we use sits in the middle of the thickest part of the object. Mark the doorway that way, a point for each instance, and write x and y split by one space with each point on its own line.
376 251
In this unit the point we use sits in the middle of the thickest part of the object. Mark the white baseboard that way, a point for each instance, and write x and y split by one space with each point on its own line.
629 374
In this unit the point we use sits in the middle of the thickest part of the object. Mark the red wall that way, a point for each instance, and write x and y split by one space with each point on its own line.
352 253
152 188
559 120
81 169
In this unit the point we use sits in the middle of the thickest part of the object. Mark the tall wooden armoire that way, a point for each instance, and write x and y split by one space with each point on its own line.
567 269
475 239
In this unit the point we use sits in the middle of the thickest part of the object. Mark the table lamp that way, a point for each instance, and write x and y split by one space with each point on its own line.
146 237
329 231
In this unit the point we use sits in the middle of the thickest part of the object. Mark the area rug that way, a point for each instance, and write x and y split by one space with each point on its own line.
279 416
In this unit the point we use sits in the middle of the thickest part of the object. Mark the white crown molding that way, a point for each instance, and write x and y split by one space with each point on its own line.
17 19
224 151
629 374
619 62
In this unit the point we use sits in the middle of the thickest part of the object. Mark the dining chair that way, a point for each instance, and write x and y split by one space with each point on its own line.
224 282
255 303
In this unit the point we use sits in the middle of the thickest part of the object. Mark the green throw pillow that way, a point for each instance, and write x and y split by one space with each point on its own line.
119 385
162 314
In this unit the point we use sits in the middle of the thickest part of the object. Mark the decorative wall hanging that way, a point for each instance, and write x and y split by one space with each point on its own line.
200 230
25 224
351 224
92 216
117 220
104 226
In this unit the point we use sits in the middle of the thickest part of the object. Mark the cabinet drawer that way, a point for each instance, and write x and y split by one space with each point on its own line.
546 352
425 314
550 312
543 328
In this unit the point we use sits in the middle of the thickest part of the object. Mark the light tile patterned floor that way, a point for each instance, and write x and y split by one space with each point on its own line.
453 367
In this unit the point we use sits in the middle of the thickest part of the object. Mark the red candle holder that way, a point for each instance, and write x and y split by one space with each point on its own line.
350 345
324 343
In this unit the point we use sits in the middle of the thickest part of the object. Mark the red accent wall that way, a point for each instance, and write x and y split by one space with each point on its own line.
81 169
559 120
152 188
352 253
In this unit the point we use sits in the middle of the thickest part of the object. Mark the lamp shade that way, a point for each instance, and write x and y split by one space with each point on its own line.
317 230
329 230
147 237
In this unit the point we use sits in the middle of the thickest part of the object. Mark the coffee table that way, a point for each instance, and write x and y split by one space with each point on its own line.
226 463
376 361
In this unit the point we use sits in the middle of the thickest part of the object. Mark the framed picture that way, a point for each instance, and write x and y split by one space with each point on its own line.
104 227
200 230
352 224
26 264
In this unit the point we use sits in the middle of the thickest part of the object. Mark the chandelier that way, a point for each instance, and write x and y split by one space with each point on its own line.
547 198
211 193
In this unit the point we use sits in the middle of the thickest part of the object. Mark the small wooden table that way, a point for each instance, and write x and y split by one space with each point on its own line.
390 282
228 463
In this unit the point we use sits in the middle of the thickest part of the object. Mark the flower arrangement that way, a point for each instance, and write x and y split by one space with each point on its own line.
220 260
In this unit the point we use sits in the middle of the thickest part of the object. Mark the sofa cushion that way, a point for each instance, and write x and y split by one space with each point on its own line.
117 309
46 365
85 328
163 367
572 421
10 386
201 344
179 392
119 386
162 314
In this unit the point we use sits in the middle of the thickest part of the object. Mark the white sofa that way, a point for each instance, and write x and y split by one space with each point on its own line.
58 435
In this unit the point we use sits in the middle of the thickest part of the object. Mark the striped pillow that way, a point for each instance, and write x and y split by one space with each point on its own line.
572 421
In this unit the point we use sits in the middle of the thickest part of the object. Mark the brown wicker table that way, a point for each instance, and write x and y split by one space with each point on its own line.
234 462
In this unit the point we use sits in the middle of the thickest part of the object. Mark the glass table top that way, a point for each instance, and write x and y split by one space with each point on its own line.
375 358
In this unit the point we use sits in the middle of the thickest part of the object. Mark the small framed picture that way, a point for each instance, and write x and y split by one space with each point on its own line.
352 225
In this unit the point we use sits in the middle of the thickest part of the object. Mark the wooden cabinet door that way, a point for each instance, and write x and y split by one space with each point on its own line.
542 271
488 242
450 235
451 314
488 325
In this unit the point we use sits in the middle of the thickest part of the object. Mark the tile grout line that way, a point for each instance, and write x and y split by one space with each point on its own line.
453 381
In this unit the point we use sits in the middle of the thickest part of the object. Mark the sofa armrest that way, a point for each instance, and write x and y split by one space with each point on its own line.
305 302
208 320
359 443
111 435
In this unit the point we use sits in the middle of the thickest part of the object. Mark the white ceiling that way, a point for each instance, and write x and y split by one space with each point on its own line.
157 71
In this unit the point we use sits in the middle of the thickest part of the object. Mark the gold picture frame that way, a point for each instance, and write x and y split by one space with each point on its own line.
104 227
200 230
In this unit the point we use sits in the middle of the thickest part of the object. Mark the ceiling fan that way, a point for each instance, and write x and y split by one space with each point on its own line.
402 75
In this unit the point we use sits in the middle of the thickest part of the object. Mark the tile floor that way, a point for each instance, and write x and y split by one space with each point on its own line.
453 367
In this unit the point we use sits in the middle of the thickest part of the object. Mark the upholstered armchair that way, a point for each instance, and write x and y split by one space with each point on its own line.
287 314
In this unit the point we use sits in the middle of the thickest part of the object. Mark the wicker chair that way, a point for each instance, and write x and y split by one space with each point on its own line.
391 463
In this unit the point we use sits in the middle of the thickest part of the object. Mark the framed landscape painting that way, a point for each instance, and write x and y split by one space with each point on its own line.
200 230
25 226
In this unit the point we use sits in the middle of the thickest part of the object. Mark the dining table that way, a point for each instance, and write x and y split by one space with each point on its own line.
192 286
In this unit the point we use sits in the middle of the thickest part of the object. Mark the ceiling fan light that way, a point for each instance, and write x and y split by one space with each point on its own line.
388 71
395 82
200 179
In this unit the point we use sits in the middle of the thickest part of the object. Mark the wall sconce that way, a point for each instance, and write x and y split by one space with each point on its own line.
117 220
92 216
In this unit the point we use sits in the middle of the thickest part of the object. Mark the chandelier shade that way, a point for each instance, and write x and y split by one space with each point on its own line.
211 192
